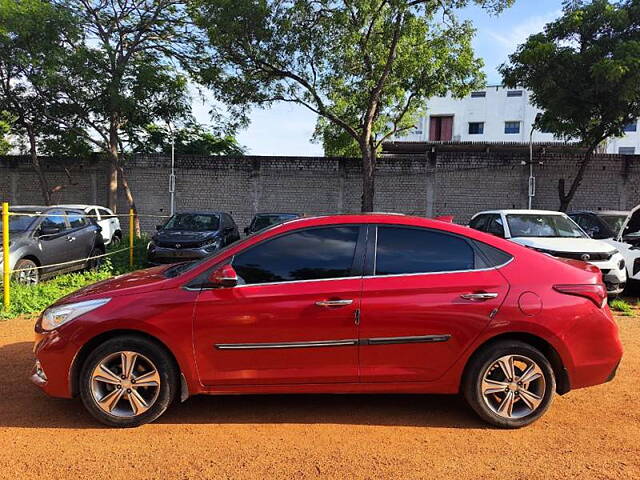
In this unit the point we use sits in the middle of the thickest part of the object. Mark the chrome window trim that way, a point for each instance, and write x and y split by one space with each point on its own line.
442 272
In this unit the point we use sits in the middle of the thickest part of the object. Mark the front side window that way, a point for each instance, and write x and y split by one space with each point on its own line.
312 254
193 222
536 225
402 250
511 127
614 222
494 226
54 219
104 214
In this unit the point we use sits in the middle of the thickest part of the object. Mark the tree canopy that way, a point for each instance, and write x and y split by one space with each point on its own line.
365 67
190 139
584 73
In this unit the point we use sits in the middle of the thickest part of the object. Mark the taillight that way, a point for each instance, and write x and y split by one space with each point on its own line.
596 292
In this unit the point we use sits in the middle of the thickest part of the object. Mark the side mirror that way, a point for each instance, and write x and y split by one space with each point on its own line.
224 276
246 230
49 230
158 228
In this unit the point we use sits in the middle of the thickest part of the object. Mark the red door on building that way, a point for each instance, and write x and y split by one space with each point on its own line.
441 128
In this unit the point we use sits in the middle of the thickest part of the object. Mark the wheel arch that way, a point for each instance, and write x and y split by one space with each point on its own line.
31 257
88 347
563 384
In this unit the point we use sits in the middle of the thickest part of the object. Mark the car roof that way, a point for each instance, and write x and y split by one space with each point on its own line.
276 213
200 212
81 205
39 208
521 212
602 212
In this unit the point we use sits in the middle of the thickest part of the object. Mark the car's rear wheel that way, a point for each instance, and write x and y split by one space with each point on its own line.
510 384
127 381
27 272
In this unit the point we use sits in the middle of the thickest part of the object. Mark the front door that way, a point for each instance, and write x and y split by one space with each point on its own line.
293 317
427 295
55 248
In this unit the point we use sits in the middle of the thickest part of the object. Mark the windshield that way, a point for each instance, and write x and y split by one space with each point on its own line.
536 225
21 222
263 221
614 222
193 222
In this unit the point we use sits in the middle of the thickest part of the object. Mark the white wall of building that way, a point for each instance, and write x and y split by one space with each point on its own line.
493 110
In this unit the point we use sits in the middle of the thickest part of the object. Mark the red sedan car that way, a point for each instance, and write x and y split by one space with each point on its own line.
340 304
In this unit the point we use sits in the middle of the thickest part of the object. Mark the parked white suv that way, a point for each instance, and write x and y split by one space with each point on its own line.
619 229
111 232
556 234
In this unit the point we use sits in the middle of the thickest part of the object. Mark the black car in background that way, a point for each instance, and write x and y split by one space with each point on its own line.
42 236
191 235
264 220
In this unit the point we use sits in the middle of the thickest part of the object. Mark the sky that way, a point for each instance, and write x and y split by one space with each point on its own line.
286 129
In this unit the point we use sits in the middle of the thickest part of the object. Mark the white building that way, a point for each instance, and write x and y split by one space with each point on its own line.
496 114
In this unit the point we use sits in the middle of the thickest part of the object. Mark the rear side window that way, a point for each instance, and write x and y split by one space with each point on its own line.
311 254
76 220
104 213
490 256
411 250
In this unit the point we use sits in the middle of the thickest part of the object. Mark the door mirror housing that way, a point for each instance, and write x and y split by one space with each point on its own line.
49 230
224 277
158 228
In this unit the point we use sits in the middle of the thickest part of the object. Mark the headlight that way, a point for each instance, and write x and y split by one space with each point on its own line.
54 317
213 244
151 245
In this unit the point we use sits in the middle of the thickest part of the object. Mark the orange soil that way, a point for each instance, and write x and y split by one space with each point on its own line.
590 433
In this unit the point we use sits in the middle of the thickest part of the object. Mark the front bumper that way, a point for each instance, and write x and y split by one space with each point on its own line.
613 276
162 255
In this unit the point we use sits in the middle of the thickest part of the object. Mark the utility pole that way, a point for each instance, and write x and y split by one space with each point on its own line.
172 175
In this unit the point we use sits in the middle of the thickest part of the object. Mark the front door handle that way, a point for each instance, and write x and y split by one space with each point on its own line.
480 296
71 239
334 303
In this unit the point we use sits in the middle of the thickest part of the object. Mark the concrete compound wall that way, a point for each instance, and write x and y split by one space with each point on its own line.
455 183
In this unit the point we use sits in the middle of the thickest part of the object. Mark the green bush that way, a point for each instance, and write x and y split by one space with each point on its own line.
622 306
27 299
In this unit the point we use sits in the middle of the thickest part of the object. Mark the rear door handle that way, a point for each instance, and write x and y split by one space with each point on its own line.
334 303
479 296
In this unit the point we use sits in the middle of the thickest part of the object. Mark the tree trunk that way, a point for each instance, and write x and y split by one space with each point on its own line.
35 162
566 198
130 200
368 176
113 167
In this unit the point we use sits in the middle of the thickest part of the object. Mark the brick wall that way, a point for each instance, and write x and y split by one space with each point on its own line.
457 183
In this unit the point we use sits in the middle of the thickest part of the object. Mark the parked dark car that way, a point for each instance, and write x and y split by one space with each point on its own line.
191 235
265 220
41 236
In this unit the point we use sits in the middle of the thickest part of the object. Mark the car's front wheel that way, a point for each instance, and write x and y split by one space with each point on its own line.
26 272
510 384
127 381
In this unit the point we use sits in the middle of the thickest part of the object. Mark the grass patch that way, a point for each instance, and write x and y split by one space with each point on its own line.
33 299
622 306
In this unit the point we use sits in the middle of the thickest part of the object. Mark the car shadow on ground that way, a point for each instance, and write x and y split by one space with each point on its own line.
23 405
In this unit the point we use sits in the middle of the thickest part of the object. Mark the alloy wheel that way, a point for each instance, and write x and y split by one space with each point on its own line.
125 384
513 386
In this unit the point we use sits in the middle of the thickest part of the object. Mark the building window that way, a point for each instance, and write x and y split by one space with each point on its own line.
631 127
511 127
478 94
514 93
476 128
627 150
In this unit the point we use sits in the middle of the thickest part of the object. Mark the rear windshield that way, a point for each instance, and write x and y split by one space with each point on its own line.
263 221
536 225
193 222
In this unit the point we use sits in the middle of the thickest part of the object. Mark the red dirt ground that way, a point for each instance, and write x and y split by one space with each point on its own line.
590 433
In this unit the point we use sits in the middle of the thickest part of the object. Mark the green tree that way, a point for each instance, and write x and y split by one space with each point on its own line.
190 139
583 71
365 67
5 129
34 37
127 73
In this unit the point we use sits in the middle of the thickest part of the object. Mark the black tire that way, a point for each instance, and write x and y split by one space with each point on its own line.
147 350
29 277
95 263
116 240
484 362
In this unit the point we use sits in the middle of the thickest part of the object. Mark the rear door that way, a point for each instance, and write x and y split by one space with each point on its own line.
81 236
293 317
427 295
